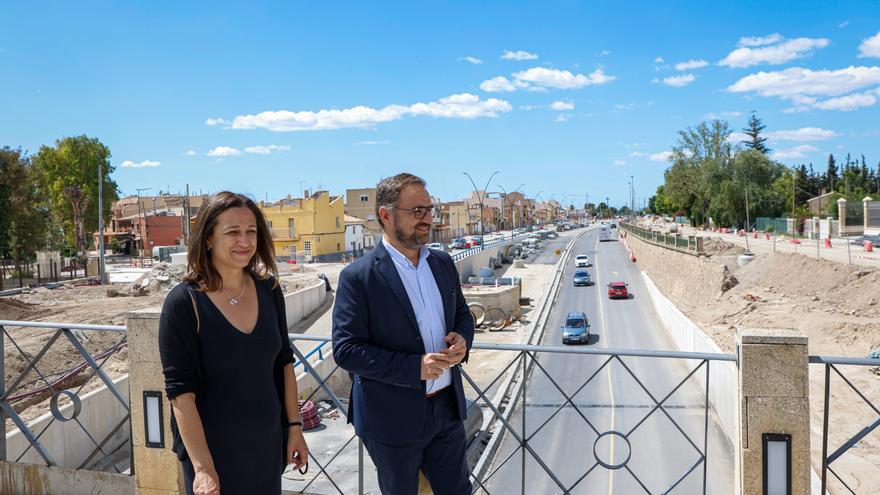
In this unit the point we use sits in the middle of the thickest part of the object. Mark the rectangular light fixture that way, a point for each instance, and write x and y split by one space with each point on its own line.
777 463
153 422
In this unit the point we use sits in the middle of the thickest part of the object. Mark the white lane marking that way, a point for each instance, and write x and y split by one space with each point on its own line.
610 385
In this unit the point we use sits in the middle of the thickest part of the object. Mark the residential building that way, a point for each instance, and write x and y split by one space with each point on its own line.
356 242
459 218
361 203
308 229
515 205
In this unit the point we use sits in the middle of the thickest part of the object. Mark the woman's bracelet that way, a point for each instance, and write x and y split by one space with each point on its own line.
291 424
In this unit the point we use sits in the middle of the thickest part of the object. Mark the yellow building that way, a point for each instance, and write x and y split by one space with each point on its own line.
308 229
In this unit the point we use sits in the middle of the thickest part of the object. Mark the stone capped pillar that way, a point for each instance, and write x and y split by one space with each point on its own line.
773 385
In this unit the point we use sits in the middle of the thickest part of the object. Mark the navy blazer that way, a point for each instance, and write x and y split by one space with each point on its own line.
377 340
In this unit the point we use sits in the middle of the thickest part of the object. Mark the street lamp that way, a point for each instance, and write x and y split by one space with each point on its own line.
502 203
480 198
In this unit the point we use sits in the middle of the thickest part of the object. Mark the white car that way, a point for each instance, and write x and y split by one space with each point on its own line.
582 261
437 245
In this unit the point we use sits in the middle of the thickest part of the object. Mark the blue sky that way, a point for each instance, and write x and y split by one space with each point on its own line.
568 98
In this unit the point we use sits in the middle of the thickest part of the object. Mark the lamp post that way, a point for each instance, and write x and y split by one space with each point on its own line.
101 274
480 198
502 204
537 195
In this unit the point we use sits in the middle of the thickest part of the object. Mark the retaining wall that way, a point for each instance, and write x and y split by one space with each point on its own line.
300 304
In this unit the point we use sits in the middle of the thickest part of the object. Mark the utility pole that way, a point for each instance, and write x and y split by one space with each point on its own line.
101 273
145 234
748 250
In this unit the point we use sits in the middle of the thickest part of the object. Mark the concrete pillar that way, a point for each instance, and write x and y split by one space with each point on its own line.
841 215
157 470
773 383
866 215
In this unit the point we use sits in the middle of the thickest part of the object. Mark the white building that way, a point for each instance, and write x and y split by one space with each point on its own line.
356 241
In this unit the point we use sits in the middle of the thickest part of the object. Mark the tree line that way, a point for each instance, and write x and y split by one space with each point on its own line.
710 178
49 200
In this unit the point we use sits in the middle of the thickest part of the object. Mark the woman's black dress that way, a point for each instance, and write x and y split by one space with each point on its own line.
238 402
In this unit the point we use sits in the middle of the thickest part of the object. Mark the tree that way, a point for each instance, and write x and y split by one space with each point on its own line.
753 130
24 219
831 173
68 172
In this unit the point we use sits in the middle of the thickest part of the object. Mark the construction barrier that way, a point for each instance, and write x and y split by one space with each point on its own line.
869 246
828 242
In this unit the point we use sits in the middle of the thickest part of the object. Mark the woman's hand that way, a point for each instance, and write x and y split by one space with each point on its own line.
206 482
297 450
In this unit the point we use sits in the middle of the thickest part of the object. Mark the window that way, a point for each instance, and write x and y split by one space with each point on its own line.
365 198
338 247
290 224
337 222
293 251
270 224
308 248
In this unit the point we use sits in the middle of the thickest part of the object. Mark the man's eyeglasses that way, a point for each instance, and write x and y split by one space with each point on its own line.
419 212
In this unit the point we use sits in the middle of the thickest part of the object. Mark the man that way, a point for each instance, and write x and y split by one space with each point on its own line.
401 326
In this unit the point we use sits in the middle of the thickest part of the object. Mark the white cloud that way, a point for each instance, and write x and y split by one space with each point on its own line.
738 137
214 122
801 85
625 106
722 115
843 24
460 106
143 164
373 143
605 52
190 153
659 60
265 150
802 134
796 152
563 117
519 55
638 154
562 105
619 163
773 54
473 60
760 40
497 85
679 81
870 47
662 156
848 103
561 79
221 151
690 65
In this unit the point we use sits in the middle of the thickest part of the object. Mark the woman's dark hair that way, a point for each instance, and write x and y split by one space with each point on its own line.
388 190
200 268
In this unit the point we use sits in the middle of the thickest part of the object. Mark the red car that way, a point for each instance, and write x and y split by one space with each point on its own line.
617 290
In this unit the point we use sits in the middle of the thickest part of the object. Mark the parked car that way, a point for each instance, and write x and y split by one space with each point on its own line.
618 290
582 261
576 329
437 245
860 241
582 277
475 241
459 243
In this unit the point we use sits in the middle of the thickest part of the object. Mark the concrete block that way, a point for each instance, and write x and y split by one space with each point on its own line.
771 336
158 469
100 483
143 335
779 415
774 370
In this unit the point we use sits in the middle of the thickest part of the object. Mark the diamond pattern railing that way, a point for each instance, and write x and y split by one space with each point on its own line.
65 403
332 474
834 364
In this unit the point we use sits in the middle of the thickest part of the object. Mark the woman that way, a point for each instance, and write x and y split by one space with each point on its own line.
227 361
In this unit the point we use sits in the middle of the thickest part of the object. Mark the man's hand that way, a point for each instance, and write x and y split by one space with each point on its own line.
434 364
457 348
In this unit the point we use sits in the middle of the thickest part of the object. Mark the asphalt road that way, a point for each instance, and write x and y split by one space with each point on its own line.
659 452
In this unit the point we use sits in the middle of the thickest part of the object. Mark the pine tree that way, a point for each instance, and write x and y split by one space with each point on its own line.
756 141
831 173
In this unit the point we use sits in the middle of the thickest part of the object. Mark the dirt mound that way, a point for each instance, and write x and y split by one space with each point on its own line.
12 309
714 246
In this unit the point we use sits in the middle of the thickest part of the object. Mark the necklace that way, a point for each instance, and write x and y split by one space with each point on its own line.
235 300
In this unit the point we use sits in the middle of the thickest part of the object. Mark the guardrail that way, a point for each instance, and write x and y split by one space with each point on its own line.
497 242
687 244
832 364
529 365
65 404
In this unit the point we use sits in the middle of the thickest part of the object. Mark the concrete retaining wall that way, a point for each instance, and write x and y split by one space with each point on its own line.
688 337
66 442
472 264
300 304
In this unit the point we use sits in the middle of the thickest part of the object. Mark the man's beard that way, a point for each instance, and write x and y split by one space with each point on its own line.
414 239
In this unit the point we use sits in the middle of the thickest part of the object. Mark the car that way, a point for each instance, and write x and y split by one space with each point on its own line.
613 225
437 245
576 329
476 240
459 243
618 290
582 261
860 241
582 277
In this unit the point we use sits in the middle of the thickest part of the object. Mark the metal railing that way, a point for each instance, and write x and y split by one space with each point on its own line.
507 419
62 387
459 255
833 364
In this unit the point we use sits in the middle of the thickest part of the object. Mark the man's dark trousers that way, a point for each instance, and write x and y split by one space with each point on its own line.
434 451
